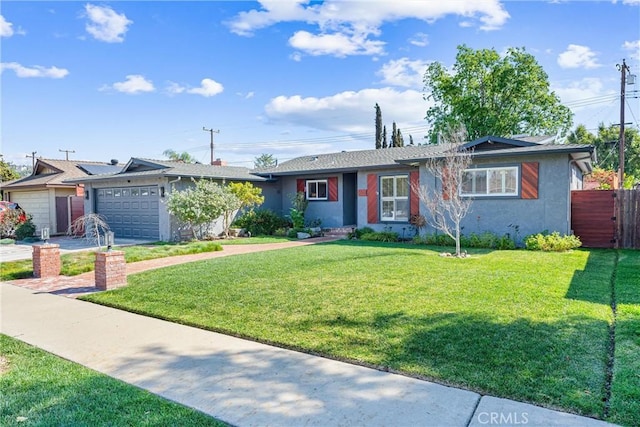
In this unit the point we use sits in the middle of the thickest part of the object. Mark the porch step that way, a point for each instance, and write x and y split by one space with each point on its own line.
337 231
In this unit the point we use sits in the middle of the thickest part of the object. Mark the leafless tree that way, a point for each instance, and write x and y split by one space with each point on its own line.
446 206
92 226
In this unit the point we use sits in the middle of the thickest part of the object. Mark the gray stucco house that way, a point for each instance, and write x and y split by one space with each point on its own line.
132 200
513 182
523 182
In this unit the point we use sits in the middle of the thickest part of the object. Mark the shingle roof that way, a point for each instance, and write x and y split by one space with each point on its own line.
62 170
139 167
408 155
352 160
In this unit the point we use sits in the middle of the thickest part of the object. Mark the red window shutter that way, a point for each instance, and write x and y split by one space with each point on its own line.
372 198
333 188
529 180
414 198
300 185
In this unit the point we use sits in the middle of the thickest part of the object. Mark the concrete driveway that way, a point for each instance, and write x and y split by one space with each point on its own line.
22 250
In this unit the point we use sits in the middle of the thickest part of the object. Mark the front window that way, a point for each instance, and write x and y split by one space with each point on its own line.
490 182
317 189
394 198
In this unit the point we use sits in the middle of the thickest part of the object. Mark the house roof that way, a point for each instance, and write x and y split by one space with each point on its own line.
139 167
55 173
489 146
352 160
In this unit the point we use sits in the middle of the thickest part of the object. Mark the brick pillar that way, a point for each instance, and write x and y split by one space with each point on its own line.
111 270
46 260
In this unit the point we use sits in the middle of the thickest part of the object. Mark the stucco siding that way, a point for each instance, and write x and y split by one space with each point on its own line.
514 215
400 227
328 212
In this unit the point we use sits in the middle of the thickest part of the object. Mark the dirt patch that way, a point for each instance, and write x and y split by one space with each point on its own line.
4 365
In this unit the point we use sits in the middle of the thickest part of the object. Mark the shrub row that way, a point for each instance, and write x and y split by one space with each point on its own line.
553 242
486 240
261 222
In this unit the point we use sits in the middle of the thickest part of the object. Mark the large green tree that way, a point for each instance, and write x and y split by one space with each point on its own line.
7 172
179 157
265 161
493 94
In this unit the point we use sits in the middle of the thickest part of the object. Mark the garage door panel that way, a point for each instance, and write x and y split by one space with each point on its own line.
130 211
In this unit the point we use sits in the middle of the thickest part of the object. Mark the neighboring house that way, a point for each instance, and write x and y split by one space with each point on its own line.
46 196
516 184
132 199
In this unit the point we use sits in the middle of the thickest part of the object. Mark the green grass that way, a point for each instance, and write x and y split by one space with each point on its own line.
40 389
81 262
625 390
530 326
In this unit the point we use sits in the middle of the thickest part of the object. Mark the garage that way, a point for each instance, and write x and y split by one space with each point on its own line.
130 211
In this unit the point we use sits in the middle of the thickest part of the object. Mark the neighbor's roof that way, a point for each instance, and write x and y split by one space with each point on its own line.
138 167
54 173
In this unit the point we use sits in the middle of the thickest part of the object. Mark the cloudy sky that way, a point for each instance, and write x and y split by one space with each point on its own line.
132 79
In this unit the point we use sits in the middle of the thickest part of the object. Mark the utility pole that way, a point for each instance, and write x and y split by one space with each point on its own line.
624 69
33 159
211 132
66 152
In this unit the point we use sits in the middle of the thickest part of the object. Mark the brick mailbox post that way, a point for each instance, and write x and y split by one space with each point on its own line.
111 270
46 260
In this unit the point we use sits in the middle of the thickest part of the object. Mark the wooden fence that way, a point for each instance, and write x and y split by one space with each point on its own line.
628 213
606 218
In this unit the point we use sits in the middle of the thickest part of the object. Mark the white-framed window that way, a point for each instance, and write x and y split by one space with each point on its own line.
394 198
317 189
496 181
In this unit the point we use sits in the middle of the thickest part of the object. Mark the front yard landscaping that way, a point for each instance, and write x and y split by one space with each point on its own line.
40 389
524 325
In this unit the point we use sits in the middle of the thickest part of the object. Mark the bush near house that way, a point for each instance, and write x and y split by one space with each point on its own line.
553 242
261 222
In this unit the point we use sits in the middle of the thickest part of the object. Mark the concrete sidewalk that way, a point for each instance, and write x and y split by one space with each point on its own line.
246 383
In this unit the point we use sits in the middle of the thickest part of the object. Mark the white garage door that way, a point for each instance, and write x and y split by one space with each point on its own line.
130 211
35 203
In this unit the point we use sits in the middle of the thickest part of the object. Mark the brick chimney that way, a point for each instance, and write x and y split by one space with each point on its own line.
219 162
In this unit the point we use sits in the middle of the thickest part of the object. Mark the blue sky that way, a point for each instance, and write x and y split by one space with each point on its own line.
132 79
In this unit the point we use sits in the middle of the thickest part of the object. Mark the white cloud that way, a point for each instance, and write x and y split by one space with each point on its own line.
404 72
589 91
336 44
105 24
633 47
208 87
6 27
134 84
34 71
345 27
350 111
419 39
577 56
247 95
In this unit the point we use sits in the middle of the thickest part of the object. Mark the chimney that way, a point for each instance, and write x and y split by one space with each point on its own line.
219 162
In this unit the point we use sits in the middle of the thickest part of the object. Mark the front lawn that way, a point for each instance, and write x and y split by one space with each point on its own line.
40 389
625 390
81 262
530 326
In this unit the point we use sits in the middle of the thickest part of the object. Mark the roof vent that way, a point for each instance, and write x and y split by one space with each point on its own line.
114 161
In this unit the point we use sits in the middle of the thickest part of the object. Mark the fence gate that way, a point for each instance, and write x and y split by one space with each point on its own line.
606 218
593 217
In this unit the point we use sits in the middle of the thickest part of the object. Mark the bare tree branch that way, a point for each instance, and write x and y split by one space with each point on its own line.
446 206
